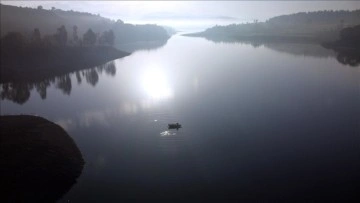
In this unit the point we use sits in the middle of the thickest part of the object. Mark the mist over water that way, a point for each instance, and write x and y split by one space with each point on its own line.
187 101
249 113
189 25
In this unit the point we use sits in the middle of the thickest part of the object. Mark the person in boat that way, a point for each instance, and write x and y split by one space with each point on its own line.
174 125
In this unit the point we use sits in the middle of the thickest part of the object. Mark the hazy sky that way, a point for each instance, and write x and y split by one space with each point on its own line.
160 11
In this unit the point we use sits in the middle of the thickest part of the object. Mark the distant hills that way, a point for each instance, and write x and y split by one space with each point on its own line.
313 26
176 16
25 20
38 43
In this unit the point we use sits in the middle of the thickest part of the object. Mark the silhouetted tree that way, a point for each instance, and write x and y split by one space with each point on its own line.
49 40
40 7
102 38
89 38
110 38
119 22
75 35
13 42
36 37
342 22
350 36
61 35
107 37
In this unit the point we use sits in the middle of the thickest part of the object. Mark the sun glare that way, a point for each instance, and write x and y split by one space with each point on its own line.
156 85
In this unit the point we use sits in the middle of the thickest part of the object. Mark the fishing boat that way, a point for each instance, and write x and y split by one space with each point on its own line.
174 126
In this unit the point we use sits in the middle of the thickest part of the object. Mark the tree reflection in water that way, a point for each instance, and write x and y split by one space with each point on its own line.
41 88
92 77
19 92
110 69
78 77
64 83
349 58
295 47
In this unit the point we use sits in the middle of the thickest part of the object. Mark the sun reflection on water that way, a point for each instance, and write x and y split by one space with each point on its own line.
156 84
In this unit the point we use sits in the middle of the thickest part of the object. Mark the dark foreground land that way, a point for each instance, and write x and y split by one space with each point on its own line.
31 63
39 160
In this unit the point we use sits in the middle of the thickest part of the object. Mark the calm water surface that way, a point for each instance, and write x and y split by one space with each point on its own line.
259 122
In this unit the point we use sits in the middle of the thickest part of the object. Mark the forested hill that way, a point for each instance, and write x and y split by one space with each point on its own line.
321 25
25 20
330 18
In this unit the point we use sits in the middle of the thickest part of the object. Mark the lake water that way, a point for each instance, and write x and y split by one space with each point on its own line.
273 121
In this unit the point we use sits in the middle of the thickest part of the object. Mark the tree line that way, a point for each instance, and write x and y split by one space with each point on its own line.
16 40
89 38
24 20
320 25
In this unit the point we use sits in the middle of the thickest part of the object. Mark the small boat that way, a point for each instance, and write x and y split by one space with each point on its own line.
174 126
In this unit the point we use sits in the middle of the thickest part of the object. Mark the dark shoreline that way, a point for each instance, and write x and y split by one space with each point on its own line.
341 47
346 53
39 161
37 63
260 38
